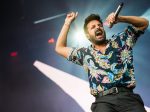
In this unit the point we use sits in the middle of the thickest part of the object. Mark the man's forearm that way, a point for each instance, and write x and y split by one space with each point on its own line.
62 38
138 22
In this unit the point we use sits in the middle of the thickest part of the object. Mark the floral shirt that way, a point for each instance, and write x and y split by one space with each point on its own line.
112 68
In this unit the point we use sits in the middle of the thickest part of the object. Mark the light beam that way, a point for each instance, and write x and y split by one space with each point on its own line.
50 18
79 90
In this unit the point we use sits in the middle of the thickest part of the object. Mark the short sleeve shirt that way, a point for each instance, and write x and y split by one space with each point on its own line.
114 67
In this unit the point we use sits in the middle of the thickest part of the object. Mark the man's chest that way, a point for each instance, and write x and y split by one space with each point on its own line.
112 56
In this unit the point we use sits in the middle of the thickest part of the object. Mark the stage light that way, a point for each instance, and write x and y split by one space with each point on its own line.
14 54
51 40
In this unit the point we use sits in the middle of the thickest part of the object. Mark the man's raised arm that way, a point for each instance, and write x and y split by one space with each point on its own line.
61 44
138 22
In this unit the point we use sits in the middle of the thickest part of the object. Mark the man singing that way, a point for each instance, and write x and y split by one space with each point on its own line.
109 63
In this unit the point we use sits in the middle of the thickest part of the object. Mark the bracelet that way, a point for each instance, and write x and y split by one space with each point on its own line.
67 24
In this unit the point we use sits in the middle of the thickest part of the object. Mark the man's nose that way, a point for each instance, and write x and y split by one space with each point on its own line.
97 27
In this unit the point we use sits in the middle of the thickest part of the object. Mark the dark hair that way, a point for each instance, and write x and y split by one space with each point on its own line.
90 18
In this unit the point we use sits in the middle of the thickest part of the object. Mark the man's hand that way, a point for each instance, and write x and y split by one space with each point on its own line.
70 17
111 20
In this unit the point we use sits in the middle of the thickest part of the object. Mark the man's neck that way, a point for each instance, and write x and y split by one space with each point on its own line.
101 47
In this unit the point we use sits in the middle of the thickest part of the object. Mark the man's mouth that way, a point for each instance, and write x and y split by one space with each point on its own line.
98 33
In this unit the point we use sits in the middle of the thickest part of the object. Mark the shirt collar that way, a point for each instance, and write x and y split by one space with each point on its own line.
91 47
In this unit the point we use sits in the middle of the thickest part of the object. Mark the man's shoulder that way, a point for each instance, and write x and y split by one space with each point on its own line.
80 49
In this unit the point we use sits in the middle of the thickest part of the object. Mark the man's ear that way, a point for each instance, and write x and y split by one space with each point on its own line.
87 35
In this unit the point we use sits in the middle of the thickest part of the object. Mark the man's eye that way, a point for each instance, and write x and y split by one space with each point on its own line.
92 27
99 25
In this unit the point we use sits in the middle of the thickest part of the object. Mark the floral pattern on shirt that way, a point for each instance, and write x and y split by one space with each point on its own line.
114 67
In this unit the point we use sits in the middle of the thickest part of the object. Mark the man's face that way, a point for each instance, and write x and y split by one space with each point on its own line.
96 33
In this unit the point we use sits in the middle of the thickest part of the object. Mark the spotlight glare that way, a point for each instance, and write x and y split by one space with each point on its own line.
79 39
79 36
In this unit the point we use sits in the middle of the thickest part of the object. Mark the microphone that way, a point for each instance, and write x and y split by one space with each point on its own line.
118 9
117 13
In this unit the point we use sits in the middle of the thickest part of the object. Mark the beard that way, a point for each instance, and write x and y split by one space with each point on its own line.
99 41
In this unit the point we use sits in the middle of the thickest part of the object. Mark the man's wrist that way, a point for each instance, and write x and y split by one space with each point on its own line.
67 23
121 19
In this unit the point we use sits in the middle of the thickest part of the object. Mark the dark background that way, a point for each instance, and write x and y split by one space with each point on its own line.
22 87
